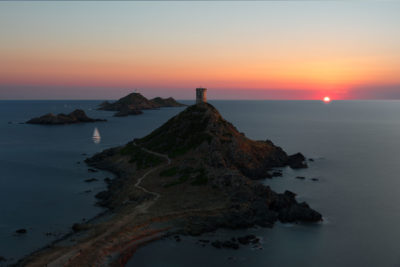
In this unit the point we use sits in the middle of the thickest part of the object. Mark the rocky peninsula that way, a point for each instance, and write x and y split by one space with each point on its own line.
194 174
77 116
134 103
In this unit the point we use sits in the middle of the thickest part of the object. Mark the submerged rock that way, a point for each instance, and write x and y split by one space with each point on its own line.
91 180
225 244
77 227
277 173
245 240
21 231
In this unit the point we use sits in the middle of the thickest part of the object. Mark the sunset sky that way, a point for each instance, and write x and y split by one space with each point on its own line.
239 50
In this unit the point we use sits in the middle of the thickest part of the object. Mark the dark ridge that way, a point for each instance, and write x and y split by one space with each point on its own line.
134 103
202 129
77 116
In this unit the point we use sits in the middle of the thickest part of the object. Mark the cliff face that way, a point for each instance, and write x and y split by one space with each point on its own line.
77 116
200 128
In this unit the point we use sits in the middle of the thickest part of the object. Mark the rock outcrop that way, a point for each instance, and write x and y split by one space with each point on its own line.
166 102
134 103
210 152
131 101
126 111
201 128
21 231
77 116
194 174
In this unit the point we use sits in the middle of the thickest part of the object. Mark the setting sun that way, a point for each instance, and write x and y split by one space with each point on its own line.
327 99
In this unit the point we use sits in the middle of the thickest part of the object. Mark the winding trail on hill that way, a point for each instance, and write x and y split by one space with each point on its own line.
139 181
106 241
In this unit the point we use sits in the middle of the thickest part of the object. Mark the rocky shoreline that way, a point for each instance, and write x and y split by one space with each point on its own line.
193 175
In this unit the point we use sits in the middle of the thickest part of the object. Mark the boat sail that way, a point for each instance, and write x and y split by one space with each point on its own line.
96 136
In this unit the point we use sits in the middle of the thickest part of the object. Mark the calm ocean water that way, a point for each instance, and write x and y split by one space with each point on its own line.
355 144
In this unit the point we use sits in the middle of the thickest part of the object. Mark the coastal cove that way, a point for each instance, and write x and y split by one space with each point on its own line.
339 137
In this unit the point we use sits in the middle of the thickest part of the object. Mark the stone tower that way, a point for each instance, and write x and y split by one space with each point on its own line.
201 95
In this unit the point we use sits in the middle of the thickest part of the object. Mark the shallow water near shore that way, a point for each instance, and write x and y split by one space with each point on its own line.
354 145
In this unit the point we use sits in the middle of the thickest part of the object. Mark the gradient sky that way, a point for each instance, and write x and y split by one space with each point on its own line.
239 50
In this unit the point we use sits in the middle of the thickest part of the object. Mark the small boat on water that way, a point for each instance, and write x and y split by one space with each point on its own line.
96 136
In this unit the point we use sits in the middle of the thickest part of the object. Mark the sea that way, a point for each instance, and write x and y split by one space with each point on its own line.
354 147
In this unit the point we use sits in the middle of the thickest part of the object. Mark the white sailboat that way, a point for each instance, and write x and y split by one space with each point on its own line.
96 136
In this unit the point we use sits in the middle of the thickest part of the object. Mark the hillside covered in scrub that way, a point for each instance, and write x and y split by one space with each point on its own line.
205 151
201 129
194 174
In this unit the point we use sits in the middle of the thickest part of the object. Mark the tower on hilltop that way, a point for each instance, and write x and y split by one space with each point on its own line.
201 95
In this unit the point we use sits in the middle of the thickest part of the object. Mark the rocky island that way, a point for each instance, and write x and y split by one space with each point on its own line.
134 103
194 174
166 102
77 116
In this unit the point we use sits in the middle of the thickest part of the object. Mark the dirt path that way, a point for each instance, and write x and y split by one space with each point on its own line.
139 181
113 242
120 232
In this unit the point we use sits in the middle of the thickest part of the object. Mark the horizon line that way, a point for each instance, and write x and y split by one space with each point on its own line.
91 99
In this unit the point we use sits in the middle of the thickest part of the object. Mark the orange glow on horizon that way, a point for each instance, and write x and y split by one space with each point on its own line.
275 51
328 75
286 75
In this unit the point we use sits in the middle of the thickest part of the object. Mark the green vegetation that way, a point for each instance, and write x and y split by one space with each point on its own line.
169 172
200 176
226 134
180 134
142 158
180 180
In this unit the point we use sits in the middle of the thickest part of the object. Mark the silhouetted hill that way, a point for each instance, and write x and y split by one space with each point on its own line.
77 116
202 129
207 151
166 102
190 176
133 103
